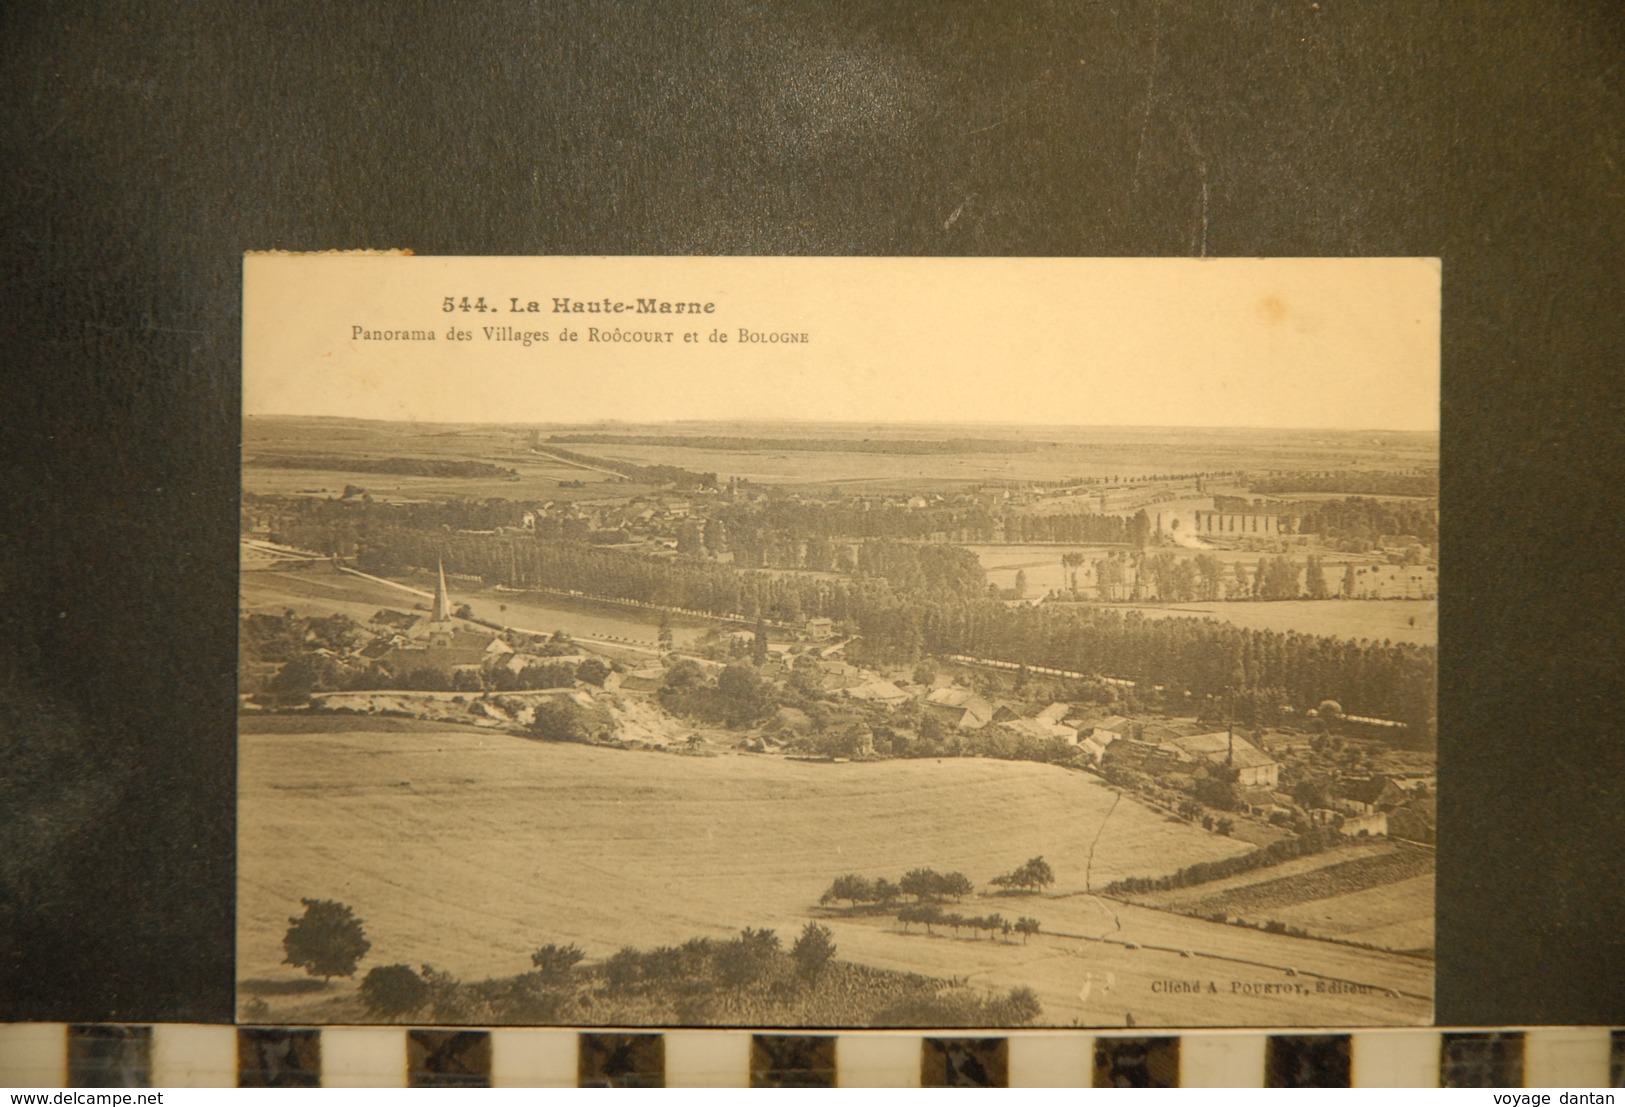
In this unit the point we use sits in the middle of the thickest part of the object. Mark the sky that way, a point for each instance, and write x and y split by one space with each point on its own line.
1273 343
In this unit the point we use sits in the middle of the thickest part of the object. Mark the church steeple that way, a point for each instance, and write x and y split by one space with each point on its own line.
442 602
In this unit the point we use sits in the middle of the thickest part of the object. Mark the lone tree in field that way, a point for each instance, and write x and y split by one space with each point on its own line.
813 951
326 941
1035 874
393 990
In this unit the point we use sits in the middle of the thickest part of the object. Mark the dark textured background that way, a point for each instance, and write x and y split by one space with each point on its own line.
143 151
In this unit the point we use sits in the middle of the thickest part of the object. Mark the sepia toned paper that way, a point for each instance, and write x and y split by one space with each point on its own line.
838 642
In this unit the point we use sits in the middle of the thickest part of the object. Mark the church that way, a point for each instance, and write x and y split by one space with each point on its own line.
442 642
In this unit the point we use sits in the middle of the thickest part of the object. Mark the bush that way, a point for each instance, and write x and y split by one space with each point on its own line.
390 991
560 720
592 671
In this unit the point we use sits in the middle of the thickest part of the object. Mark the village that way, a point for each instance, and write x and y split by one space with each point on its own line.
791 692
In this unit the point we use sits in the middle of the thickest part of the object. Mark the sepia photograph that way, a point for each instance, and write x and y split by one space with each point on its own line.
838 642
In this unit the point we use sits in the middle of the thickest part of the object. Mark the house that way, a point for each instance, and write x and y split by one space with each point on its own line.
518 662
1252 765
1054 713
879 691
818 628
842 674
960 708
399 622
1364 826
1093 749
1040 730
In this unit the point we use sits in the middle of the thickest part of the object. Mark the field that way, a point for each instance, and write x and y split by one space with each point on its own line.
538 477
1396 620
1062 453
1380 894
322 590
468 849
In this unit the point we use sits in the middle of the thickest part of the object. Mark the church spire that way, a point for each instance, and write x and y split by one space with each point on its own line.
442 602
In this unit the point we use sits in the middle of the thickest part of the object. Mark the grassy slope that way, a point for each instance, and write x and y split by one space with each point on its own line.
468 850
471 849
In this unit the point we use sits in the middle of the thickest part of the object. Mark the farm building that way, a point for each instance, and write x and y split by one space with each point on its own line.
1252 765
1040 729
960 708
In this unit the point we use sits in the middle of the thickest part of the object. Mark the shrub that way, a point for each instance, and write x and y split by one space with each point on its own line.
390 991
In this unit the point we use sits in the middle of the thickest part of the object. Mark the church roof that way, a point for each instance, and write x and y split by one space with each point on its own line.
442 601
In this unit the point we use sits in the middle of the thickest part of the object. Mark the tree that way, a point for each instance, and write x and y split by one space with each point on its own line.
850 887
1035 874
920 883
745 958
745 695
1026 926
814 950
758 642
326 941
1021 584
665 639
390 991
592 671
956 885
1315 579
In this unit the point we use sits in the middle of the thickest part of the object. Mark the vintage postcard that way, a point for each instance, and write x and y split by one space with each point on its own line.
838 642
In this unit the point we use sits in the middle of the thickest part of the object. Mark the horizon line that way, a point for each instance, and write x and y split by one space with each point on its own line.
799 421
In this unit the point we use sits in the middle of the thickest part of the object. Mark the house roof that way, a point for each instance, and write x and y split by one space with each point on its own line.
406 658
1368 790
400 620
878 691
1040 729
1215 748
1054 713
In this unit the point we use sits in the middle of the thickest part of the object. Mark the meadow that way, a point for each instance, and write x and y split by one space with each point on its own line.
1395 620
